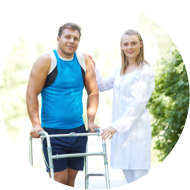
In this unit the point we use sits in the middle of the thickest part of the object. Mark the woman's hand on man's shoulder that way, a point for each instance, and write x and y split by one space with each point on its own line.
94 63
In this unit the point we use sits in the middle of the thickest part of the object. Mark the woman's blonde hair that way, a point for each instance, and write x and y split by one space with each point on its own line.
140 58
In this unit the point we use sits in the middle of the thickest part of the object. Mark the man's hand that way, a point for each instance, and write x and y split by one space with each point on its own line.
91 126
35 131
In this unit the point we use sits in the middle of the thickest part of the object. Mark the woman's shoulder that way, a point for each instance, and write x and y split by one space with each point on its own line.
146 70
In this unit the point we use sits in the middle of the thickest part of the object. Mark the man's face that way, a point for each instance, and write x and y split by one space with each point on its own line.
69 41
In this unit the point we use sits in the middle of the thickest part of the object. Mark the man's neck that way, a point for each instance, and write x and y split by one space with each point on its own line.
63 55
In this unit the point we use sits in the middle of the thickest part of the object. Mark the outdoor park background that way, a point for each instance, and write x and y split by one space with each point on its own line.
157 43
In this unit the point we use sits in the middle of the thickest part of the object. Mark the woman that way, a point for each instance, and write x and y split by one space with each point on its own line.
130 131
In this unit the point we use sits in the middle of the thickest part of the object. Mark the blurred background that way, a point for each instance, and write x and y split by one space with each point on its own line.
167 108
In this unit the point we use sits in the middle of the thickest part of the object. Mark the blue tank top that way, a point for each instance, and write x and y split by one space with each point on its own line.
62 106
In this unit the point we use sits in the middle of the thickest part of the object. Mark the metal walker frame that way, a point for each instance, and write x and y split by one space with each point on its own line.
44 134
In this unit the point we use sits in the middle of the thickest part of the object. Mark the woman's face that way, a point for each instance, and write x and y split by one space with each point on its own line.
131 45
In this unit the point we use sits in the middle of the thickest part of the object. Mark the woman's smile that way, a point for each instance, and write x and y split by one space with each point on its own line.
130 52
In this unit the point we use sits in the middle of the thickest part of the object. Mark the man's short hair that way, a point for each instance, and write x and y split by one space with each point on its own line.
71 26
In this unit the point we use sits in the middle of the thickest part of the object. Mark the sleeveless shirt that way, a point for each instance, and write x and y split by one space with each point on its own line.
62 106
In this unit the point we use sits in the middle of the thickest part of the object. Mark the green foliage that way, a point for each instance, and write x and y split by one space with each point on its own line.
169 102
13 88
40 49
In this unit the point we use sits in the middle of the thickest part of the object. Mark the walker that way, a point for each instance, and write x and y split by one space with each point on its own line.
44 134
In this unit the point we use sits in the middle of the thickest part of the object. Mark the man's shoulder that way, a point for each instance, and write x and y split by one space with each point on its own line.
81 60
46 57
87 59
43 62
85 56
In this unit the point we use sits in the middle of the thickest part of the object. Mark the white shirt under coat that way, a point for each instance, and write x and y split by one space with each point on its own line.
131 144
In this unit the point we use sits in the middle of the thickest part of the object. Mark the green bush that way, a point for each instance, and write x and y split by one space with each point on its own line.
169 102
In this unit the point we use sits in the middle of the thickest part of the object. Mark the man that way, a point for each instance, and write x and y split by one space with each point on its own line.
60 78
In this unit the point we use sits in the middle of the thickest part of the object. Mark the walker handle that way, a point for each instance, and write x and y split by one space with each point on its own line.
95 130
41 133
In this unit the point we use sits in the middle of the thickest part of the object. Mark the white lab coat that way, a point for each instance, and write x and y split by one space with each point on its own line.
131 144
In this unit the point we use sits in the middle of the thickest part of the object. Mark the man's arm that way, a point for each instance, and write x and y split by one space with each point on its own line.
92 91
36 82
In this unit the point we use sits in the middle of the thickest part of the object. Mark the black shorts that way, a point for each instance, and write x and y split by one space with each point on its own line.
65 145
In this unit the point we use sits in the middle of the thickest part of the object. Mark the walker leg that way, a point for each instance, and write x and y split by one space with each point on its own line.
30 151
106 164
85 171
49 149
86 168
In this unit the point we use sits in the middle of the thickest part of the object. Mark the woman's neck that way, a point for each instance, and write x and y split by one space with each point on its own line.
132 62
